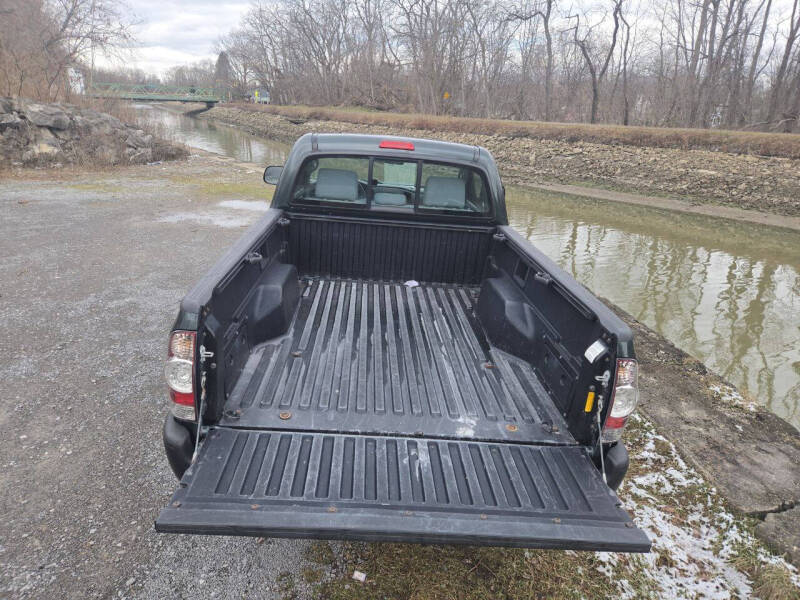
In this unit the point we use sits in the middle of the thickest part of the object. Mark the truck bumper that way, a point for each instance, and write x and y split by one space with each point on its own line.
178 444
616 461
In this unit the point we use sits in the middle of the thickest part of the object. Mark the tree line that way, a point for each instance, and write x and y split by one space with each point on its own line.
46 44
695 63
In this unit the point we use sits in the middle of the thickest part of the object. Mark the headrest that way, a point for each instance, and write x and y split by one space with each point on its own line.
445 192
337 184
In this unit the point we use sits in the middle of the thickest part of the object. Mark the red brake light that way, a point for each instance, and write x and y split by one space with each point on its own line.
179 372
396 145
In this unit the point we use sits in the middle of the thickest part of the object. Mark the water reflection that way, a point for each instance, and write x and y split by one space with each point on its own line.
726 293
221 139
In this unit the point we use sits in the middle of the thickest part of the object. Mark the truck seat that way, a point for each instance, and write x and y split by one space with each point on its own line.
445 192
337 184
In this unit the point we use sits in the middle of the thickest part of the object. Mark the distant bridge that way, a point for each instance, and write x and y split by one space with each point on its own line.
155 92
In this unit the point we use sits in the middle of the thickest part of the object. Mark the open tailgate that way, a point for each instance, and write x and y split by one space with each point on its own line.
380 488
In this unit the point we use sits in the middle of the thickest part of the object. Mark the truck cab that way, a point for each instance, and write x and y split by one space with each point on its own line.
381 357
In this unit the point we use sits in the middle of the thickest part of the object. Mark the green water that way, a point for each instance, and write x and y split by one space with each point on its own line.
212 137
726 293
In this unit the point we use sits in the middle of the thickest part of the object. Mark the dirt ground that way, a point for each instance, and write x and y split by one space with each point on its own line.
746 181
93 267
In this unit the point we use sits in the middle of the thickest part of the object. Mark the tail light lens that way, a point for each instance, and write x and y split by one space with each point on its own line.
179 372
624 399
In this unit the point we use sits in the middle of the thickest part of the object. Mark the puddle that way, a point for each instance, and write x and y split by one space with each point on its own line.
255 205
210 218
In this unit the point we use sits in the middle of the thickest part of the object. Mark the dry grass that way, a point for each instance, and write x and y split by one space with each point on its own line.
770 581
737 142
412 572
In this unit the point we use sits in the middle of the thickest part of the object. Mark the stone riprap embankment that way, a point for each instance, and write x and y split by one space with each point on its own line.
35 134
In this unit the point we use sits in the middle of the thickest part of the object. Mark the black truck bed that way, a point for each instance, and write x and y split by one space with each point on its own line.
384 414
389 359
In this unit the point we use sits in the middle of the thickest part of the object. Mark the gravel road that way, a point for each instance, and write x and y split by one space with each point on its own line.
92 268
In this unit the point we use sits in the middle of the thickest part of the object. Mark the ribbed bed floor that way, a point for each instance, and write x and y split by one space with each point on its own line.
385 358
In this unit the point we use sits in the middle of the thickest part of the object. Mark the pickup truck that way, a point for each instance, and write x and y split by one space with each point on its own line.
381 357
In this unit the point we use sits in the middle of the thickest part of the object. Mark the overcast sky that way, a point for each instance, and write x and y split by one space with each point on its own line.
176 32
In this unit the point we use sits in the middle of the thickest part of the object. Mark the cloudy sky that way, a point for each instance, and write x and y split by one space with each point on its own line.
175 32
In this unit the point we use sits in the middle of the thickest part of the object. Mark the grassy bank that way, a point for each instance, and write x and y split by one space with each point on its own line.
718 140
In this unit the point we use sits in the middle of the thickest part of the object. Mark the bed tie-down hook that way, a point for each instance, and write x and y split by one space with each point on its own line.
253 258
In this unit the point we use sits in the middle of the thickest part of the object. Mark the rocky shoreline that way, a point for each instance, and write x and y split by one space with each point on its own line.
766 184
35 135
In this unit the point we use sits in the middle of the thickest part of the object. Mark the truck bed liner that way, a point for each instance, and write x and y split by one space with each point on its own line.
386 358
355 487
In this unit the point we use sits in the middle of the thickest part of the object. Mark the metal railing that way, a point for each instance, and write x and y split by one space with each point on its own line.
149 91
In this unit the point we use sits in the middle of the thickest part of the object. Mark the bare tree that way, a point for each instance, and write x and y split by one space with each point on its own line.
783 68
40 40
543 10
704 63
586 44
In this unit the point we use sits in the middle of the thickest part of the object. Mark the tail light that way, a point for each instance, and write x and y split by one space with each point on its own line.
179 372
624 399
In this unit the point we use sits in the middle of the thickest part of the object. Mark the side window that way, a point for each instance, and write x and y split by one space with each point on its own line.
394 184
335 179
453 188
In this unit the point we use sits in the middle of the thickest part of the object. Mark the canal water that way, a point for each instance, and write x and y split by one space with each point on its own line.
724 292
220 139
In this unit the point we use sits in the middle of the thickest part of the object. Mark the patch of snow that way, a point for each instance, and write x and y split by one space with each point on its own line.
467 428
730 395
698 546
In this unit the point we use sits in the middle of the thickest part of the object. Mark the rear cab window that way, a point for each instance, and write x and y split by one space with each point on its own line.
334 180
384 184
